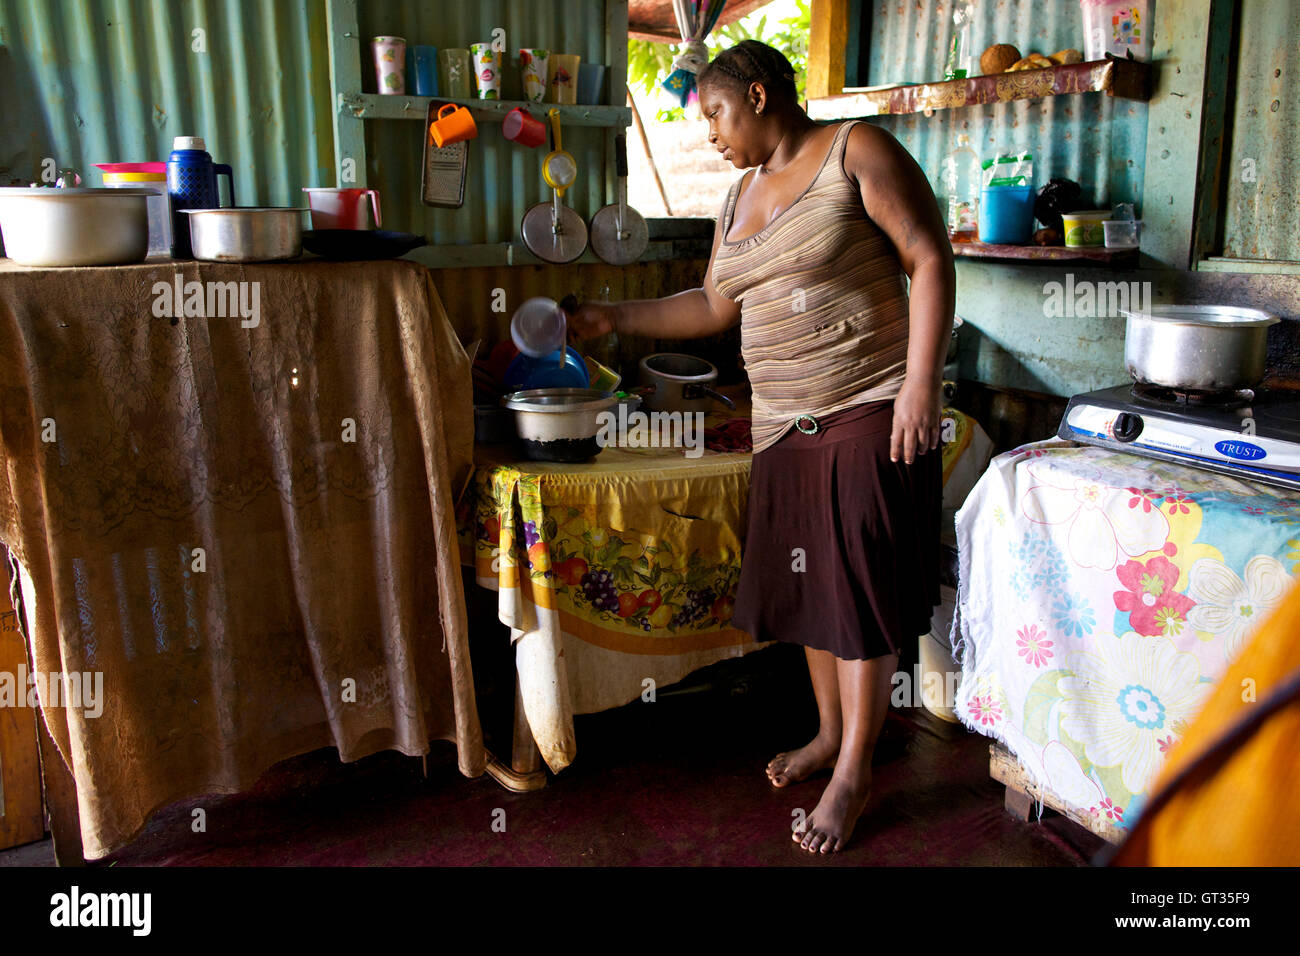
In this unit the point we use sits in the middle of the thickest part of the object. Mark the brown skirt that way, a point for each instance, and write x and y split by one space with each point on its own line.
842 548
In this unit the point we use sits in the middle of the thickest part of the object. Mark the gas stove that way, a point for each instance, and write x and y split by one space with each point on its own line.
1253 435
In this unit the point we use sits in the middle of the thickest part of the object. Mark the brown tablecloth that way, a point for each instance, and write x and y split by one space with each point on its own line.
314 458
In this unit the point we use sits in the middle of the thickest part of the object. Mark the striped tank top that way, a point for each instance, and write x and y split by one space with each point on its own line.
823 303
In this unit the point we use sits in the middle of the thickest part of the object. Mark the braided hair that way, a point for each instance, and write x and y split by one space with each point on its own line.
750 61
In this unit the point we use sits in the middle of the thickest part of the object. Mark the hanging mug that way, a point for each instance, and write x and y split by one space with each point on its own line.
452 127
519 126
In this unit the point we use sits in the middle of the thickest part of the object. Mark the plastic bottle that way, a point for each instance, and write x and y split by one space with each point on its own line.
959 52
605 349
961 180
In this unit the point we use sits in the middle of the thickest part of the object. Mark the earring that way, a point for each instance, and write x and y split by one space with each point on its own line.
758 111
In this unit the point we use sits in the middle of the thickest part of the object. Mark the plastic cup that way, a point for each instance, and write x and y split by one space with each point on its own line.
487 70
563 78
454 73
533 65
390 64
422 70
591 80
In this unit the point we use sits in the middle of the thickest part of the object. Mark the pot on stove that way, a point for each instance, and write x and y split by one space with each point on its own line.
1197 348
680 383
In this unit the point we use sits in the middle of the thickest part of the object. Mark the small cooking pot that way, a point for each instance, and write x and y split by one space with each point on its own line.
246 234
679 383
1197 348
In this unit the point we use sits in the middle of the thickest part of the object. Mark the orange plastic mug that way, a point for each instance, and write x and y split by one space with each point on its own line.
452 127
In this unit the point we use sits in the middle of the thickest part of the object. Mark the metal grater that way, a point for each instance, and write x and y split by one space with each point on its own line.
442 178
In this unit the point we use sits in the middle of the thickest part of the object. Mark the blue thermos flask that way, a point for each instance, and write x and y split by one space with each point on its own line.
192 184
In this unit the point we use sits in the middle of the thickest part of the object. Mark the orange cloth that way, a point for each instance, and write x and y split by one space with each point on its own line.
1234 805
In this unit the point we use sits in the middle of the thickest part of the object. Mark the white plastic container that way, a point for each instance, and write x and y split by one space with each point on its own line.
538 327
1122 233
159 208
1118 27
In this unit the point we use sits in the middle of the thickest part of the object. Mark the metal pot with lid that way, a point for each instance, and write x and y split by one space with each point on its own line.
680 383
1197 348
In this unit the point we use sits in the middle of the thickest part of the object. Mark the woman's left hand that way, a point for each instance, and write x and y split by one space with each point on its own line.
916 421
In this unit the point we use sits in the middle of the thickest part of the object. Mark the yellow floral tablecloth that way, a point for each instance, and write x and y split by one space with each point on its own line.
615 576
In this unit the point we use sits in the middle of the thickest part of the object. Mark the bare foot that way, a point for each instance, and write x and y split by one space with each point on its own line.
828 827
797 765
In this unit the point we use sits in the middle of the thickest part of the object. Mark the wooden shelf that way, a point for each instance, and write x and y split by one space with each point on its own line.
1125 78
397 106
985 250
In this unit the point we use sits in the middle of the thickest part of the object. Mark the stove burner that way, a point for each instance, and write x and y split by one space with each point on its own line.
1160 395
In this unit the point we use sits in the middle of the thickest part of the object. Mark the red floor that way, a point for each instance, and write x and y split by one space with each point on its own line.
676 782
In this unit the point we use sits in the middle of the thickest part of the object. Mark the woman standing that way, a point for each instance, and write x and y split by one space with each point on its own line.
811 256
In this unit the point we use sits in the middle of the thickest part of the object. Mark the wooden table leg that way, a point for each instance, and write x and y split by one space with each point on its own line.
1018 803
525 773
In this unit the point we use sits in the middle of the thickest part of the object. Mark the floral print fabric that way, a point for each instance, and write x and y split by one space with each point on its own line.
1102 595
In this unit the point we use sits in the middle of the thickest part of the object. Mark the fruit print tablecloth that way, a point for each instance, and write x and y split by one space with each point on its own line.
610 574
1102 594
615 572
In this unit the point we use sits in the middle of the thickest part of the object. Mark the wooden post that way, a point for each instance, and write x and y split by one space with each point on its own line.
22 816
346 51
827 42
645 141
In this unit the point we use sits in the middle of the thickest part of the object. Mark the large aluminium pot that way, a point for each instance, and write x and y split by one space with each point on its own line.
74 226
680 383
559 424
1197 348
252 234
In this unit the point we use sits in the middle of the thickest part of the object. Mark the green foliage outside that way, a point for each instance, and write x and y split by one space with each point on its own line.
648 64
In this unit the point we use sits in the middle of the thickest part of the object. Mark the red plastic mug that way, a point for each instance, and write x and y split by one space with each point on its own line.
340 208
520 126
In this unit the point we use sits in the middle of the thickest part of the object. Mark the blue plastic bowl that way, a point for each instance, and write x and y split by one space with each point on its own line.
527 372
1006 214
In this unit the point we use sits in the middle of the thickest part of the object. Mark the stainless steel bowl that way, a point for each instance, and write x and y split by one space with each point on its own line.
559 424
79 226
1197 348
255 234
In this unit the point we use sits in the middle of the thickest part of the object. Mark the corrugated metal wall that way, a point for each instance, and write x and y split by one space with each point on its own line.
90 81
1099 141
1263 174
87 81
504 179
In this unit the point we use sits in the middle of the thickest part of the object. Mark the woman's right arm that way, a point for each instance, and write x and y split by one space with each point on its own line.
693 314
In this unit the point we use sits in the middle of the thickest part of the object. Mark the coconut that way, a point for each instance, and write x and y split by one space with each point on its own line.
998 57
